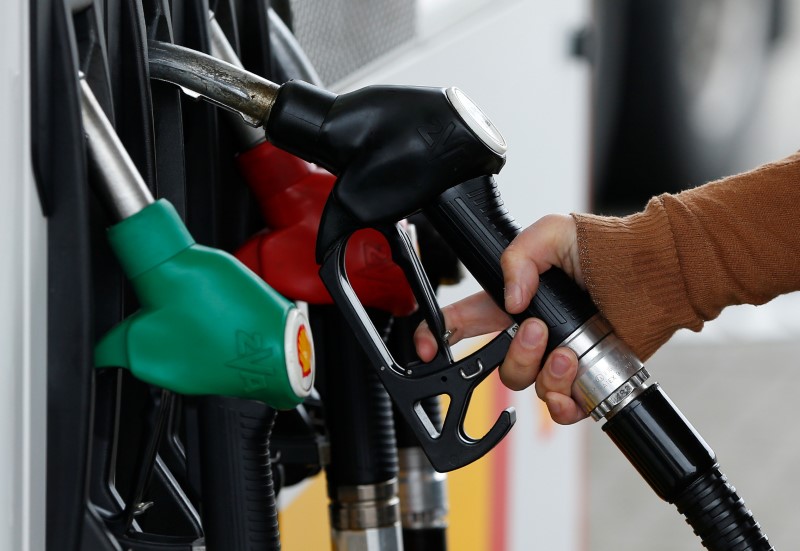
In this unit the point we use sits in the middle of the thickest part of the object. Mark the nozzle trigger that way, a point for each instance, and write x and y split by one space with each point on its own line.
448 447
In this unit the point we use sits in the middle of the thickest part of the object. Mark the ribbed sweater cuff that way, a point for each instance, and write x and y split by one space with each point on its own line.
631 269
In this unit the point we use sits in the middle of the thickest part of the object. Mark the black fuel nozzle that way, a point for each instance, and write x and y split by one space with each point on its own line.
369 136
397 150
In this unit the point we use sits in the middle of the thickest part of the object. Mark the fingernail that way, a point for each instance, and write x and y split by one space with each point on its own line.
554 407
513 295
531 334
560 365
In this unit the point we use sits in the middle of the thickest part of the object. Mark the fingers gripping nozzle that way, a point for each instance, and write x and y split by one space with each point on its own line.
207 325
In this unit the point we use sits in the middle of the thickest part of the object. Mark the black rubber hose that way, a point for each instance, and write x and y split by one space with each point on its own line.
719 516
238 497
358 411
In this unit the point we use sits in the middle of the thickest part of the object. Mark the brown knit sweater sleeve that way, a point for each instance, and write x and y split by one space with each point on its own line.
686 257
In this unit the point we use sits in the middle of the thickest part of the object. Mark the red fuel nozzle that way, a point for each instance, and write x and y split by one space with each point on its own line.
291 194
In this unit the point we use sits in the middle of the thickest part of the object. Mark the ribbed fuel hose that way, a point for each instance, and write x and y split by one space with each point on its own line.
238 497
362 474
719 516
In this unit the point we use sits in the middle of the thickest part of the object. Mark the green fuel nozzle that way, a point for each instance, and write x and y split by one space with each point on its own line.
207 325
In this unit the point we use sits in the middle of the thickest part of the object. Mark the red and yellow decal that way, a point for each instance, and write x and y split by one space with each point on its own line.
304 351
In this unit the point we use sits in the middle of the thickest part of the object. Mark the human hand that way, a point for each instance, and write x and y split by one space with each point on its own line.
551 241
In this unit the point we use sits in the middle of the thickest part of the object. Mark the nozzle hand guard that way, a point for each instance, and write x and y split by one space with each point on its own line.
451 447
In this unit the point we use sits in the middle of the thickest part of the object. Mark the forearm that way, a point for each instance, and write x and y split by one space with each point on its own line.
687 256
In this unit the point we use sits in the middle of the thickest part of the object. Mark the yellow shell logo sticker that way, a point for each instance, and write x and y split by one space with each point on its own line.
304 350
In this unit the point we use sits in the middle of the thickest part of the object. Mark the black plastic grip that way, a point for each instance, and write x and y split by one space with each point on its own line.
239 509
681 468
472 218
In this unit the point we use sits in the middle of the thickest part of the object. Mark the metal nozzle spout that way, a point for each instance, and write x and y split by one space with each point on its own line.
118 183
200 75
221 48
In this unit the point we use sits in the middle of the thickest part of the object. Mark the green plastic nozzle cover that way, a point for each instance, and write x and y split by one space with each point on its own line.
207 324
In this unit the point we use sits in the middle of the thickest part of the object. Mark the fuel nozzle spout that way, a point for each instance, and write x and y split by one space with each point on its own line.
224 84
119 184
